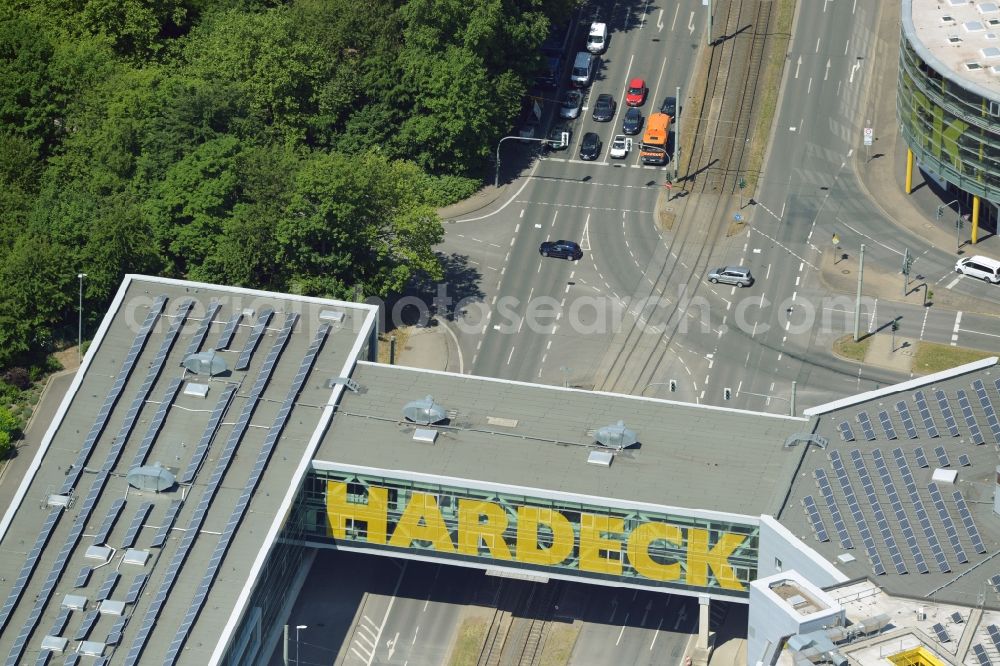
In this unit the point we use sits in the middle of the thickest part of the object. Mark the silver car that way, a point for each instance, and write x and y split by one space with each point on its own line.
738 275
571 103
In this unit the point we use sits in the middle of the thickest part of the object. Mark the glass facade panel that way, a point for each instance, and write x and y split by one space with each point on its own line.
953 131
585 541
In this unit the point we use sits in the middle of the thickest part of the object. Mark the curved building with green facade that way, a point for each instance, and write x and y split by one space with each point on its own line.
948 100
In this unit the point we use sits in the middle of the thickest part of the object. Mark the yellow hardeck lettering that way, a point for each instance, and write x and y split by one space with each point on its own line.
700 559
593 541
422 521
470 529
339 511
528 550
638 550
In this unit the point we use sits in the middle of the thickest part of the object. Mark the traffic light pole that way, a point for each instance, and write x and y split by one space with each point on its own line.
857 302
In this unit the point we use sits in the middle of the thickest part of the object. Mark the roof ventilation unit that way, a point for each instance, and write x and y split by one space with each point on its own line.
205 363
616 436
61 501
425 412
153 477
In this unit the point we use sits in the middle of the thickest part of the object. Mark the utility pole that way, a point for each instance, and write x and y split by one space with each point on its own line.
677 128
857 302
907 263
792 410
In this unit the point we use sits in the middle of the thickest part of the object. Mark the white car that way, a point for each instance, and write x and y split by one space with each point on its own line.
571 103
620 146
597 39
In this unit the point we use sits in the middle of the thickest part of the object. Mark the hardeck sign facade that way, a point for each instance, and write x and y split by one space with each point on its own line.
547 537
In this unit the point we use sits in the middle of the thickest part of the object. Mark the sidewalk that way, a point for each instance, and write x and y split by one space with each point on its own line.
430 348
481 199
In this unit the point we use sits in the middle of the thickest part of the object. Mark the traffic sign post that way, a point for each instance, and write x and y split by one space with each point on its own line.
869 136
670 186
742 184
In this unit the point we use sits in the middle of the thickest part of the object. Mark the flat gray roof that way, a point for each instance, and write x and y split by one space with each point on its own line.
964 581
951 34
536 437
174 446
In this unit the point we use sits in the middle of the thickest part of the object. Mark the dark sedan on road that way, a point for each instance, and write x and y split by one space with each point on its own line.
590 147
669 106
632 123
562 249
604 109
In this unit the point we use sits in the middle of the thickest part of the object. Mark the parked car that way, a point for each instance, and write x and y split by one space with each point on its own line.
584 68
590 147
620 146
604 108
559 137
571 103
562 249
738 275
669 107
597 39
980 267
632 123
636 94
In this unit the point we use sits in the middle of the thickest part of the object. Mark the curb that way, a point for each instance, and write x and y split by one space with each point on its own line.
486 196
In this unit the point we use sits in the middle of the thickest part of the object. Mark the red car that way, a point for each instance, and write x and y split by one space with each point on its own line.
636 94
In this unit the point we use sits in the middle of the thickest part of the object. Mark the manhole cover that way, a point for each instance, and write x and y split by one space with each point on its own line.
845 272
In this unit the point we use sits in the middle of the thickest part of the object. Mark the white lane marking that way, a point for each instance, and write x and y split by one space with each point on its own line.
510 356
620 633
817 44
767 276
954 333
691 23
809 87
846 45
953 282
870 238
798 64
826 73
927 311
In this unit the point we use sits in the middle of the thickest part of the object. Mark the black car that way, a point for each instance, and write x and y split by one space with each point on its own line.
604 108
590 147
563 249
669 106
632 123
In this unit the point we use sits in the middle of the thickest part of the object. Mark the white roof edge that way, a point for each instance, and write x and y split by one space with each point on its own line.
295 483
57 418
541 493
804 548
904 386
513 382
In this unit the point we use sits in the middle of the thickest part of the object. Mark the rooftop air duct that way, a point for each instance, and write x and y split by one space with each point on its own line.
616 436
425 412
205 363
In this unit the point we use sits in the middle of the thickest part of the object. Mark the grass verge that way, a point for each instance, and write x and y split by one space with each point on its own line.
402 336
559 644
846 347
469 642
932 357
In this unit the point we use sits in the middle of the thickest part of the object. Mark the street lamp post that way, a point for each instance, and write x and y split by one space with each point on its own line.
496 178
79 324
958 222
857 301
790 401
298 627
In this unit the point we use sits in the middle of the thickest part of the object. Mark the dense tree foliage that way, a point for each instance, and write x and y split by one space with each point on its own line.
299 145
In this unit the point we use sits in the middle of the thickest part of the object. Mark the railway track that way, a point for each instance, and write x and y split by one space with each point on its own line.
520 624
722 137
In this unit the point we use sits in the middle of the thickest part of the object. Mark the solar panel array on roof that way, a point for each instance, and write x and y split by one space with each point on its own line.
995 582
61 621
918 454
890 431
975 434
970 526
866 426
942 456
115 635
199 335
226 336
83 577
876 506
994 633
859 518
904 414
76 470
222 464
135 589
88 622
949 525
964 460
846 433
107 586
981 657
918 507
255 335
831 504
114 511
809 504
957 618
987 404
44 656
229 531
941 632
897 508
169 395
133 530
925 414
208 434
168 522
949 418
